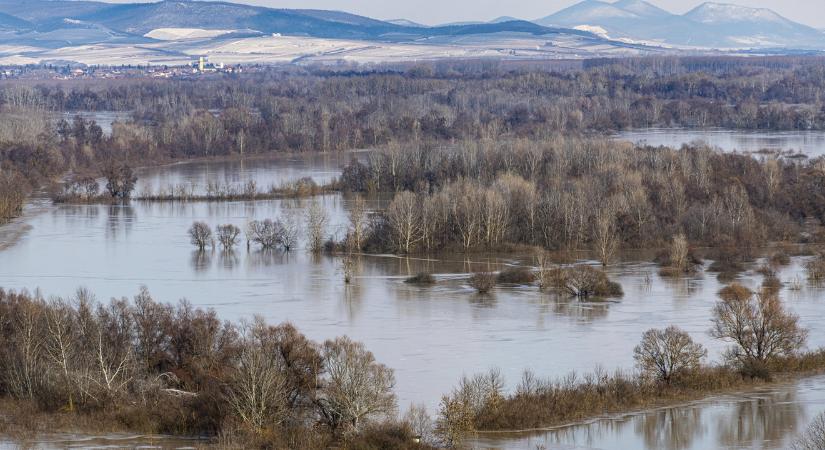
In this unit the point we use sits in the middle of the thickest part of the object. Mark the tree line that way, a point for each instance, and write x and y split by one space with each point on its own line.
577 193
323 109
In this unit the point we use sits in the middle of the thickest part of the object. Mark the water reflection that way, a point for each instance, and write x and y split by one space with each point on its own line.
671 429
201 260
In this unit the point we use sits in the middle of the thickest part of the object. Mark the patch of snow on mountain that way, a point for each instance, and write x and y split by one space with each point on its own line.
176 34
598 31
712 13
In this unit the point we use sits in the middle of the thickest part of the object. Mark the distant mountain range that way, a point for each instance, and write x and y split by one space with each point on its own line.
172 31
714 25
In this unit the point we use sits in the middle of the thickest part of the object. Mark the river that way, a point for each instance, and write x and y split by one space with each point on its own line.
430 336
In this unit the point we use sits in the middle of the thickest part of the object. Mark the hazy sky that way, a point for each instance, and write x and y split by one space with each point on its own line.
810 12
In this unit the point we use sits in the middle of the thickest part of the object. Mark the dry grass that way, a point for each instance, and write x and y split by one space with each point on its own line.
540 403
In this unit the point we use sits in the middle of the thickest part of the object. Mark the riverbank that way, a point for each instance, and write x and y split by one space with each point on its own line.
544 405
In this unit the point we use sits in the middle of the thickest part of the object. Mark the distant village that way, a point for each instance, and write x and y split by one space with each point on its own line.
68 71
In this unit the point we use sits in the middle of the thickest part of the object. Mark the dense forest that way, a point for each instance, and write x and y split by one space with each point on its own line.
326 109
572 193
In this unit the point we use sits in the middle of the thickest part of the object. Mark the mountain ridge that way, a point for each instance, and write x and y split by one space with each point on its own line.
710 24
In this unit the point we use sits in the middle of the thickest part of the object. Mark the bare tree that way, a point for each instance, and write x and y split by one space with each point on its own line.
421 423
404 217
316 226
228 236
757 324
358 220
200 235
668 353
356 388
258 386
290 230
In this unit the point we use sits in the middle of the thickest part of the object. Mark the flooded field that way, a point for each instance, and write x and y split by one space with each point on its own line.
808 143
430 336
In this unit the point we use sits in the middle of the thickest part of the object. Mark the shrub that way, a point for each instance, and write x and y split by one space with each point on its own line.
483 282
421 278
516 275
584 281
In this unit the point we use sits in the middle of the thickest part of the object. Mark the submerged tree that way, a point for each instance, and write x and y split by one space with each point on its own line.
228 236
200 235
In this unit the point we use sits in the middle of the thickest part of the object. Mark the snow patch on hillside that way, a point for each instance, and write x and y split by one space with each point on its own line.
598 31
177 34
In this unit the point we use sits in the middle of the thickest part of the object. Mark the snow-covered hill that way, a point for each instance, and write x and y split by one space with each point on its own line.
709 25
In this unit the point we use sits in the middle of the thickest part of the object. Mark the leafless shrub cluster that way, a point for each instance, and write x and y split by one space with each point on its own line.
483 282
270 234
179 368
583 281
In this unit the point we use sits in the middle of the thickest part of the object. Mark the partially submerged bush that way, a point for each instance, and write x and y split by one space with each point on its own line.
422 278
680 259
516 275
483 282
585 281
815 268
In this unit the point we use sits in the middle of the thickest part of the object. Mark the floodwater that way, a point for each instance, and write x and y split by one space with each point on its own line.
430 336
808 143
